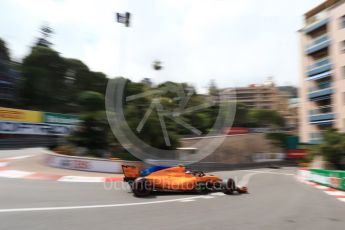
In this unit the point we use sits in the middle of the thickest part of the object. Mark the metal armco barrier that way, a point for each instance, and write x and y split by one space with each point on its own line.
87 163
216 166
16 143
329 178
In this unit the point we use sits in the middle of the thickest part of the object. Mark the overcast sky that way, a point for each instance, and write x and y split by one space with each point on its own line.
233 42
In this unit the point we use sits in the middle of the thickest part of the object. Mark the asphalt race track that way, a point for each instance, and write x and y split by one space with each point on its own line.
277 200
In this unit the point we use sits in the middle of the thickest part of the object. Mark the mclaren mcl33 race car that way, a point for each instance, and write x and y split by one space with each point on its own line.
176 179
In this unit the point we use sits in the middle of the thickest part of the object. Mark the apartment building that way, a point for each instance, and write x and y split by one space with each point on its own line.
7 83
262 96
322 82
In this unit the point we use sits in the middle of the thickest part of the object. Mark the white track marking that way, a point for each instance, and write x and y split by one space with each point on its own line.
81 179
3 164
335 193
14 174
24 175
6 161
269 172
246 178
20 157
92 206
186 200
218 194
206 197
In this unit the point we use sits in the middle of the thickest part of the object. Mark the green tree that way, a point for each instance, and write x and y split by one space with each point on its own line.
279 139
80 78
91 101
4 52
93 134
265 118
332 147
134 113
42 83
241 116
46 33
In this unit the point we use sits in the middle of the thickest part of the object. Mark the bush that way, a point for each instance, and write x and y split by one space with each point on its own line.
279 139
65 150
332 148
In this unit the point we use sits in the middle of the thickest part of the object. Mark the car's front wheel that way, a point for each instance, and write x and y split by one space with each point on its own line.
229 187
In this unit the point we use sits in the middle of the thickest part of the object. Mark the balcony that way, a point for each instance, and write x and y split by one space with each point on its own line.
318 44
316 25
322 115
320 69
322 92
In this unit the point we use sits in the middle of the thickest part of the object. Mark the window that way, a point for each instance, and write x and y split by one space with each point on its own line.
342 47
342 22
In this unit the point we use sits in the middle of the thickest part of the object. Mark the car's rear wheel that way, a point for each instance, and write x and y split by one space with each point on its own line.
229 187
141 187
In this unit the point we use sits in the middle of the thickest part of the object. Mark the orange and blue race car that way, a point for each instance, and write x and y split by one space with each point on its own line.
176 179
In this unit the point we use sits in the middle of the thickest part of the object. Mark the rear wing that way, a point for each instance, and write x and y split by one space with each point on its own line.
131 172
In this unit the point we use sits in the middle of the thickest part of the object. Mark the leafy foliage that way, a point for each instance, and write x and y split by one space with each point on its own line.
241 116
332 147
93 133
279 139
4 52
53 83
42 85
91 101
46 32
266 118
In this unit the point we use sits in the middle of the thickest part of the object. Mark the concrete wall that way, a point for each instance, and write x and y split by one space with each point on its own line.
238 148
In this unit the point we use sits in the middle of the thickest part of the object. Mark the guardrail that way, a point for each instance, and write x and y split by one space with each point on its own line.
88 164
215 166
43 141
329 178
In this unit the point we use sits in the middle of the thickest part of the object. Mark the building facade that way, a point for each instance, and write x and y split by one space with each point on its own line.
322 82
8 79
263 96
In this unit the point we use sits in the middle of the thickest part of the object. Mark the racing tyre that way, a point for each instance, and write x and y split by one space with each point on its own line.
141 187
229 186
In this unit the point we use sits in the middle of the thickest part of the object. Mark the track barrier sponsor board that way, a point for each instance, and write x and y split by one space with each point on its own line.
268 157
58 118
329 178
27 122
8 127
88 164
19 115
